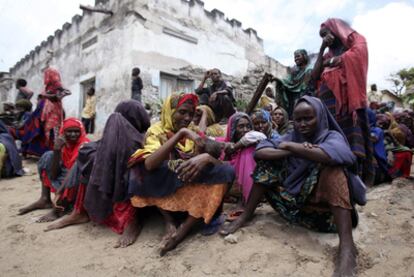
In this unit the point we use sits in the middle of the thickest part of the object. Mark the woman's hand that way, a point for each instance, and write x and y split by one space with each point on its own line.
274 125
203 109
60 142
229 148
190 169
284 145
308 145
187 133
55 202
213 97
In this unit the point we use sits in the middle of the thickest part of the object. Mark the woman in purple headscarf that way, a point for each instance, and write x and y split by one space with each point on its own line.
304 177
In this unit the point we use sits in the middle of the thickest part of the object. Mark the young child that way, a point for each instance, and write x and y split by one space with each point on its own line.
205 145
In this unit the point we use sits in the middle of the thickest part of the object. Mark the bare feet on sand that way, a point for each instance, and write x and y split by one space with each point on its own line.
233 226
171 243
72 219
170 230
42 203
130 234
346 263
49 217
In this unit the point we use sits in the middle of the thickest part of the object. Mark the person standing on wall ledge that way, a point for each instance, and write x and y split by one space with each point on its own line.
136 84
23 91
89 111
219 95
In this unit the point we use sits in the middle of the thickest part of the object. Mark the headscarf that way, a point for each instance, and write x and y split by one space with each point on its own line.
379 146
328 136
232 124
161 131
265 115
14 161
295 85
396 130
52 113
25 104
213 129
123 134
265 101
170 106
242 161
70 150
348 81
400 118
211 118
304 53
52 80
135 114
383 119
285 126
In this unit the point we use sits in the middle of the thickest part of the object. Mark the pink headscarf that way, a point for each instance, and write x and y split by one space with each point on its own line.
242 161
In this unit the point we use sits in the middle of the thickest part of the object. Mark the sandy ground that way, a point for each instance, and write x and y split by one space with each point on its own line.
267 247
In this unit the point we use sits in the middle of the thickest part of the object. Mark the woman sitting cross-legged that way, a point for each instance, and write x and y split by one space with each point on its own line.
167 174
53 168
304 177
102 180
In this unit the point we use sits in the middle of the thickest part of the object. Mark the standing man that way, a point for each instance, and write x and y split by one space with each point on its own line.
219 95
23 91
136 84
89 111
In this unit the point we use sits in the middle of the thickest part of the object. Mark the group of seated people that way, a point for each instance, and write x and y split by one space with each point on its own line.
298 157
175 166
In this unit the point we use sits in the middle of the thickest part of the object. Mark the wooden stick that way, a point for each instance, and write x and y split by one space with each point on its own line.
259 91
96 10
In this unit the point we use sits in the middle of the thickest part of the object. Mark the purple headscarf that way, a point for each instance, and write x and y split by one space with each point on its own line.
123 134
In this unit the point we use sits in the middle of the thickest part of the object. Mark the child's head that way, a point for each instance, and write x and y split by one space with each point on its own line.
20 83
135 72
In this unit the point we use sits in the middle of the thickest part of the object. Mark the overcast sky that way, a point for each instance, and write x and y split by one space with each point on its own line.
285 25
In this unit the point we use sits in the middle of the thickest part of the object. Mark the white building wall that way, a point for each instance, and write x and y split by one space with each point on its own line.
134 36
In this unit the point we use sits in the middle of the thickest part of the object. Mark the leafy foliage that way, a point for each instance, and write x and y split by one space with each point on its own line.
401 80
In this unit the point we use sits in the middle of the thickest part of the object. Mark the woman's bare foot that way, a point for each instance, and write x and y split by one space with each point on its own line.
42 203
175 239
179 235
72 219
170 230
233 226
49 217
130 234
346 262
